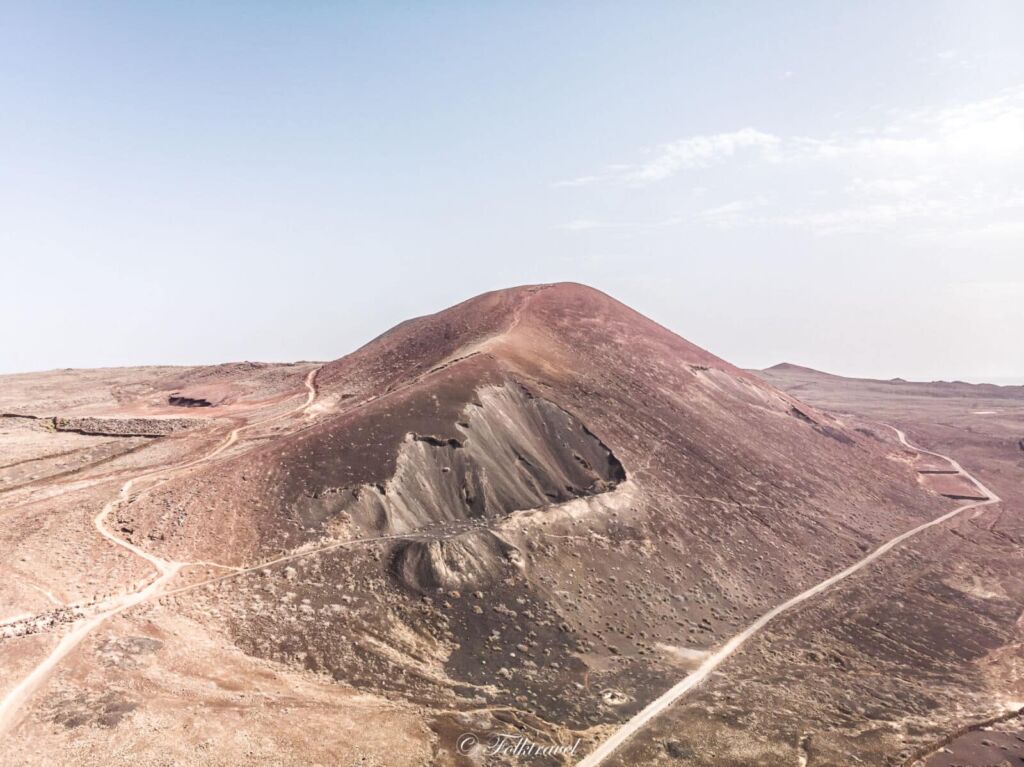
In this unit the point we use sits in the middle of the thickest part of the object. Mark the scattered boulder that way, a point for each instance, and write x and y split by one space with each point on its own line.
678 750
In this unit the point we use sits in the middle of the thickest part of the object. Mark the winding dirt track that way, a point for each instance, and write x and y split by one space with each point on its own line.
713 661
19 695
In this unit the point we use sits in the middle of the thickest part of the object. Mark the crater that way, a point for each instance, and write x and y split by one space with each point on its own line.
517 451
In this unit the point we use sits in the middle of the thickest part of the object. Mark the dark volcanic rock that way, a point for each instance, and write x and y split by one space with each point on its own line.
181 401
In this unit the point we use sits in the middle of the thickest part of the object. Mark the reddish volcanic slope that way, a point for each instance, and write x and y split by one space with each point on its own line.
670 412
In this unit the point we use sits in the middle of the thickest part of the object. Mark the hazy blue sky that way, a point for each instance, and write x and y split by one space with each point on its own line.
835 184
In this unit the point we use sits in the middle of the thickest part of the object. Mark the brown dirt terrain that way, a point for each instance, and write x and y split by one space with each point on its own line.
888 668
891 667
532 512
980 559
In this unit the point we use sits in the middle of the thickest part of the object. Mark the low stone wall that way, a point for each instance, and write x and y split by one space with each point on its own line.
125 427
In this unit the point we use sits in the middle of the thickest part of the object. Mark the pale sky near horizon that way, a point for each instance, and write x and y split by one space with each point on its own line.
839 185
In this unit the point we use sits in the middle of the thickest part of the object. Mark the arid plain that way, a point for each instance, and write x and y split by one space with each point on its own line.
531 514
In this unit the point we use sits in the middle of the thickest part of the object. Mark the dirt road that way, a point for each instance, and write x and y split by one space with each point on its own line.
19 695
713 661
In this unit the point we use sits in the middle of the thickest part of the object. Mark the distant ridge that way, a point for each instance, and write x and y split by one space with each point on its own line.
789 366
803 374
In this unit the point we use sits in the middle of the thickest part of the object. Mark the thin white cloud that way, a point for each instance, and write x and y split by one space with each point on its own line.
929 173
702 151
668 159
982 131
